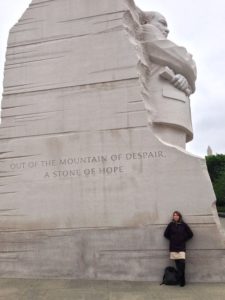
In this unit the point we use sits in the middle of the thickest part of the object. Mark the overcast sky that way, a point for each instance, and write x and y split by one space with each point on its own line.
200 27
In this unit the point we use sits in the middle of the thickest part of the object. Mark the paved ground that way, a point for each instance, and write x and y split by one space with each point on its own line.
92 290
19 289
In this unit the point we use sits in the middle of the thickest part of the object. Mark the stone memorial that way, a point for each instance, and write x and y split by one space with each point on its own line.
95 118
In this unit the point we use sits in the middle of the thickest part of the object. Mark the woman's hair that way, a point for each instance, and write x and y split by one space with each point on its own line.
179 214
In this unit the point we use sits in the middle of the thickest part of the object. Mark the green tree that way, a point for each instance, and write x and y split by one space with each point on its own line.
216 169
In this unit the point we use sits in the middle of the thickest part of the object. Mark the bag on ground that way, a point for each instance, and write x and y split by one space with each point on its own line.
170 276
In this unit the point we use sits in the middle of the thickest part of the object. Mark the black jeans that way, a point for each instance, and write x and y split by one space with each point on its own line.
180 265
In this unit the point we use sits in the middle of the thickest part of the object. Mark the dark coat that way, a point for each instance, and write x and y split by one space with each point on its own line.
178 233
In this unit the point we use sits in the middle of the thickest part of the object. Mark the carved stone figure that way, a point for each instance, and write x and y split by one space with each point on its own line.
169 75
86 187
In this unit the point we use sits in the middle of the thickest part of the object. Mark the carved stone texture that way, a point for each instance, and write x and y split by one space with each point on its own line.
167 73
86 186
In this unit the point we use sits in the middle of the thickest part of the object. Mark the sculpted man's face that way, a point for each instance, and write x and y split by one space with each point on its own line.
159 22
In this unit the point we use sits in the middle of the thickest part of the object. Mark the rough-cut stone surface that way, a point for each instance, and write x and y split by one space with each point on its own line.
86 187
60 75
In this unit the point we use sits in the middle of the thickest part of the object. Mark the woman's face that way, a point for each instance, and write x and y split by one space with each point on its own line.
176 217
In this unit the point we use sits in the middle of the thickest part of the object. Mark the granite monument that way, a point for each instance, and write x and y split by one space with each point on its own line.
95 118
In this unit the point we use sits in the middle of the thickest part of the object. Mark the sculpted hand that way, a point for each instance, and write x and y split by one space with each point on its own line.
180 82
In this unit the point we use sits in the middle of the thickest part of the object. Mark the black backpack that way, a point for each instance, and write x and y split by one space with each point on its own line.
170 276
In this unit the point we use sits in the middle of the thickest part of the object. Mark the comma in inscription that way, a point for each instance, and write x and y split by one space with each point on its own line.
86 166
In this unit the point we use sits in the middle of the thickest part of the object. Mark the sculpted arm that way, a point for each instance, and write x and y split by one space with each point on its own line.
165 53
150 28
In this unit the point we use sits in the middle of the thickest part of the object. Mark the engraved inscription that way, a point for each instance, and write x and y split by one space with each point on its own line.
86 166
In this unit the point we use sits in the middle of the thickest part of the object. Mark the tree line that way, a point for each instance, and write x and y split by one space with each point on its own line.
216 169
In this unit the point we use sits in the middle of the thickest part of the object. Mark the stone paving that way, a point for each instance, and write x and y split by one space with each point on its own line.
103 290
22 289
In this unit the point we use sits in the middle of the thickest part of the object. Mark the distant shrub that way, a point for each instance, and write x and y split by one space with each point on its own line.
216 169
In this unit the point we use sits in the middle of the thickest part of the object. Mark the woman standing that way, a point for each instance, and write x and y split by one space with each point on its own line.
178 233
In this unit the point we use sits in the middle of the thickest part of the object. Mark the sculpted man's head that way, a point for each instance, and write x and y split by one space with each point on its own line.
156 19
